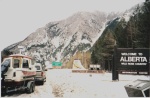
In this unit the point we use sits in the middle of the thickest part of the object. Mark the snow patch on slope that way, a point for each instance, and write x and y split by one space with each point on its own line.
85 41
45 39
67 43
100 33
55 41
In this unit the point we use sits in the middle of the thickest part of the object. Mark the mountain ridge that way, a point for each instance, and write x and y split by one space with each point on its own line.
62 39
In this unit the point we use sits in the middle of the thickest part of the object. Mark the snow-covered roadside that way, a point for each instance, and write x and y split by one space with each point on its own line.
85 85
63 83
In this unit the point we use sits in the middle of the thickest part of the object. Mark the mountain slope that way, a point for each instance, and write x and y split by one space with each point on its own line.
131 30
62 39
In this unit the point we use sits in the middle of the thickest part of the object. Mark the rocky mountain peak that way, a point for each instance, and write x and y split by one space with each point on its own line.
62 39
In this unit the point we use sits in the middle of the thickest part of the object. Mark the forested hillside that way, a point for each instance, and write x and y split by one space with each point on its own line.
132 30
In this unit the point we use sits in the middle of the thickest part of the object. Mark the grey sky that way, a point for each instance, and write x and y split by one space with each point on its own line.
19 18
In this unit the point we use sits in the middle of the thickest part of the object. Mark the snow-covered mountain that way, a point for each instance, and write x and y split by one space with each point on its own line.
62 39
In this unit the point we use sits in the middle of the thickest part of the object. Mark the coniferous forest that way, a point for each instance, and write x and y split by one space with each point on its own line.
134 33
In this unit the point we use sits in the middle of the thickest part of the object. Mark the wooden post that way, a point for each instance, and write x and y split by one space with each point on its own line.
115 75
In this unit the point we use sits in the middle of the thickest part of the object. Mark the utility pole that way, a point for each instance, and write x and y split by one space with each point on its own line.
82 55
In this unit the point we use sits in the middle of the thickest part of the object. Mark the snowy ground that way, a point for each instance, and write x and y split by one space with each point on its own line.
64 83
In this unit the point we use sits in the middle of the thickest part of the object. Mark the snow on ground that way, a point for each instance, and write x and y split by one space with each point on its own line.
85 85
63 83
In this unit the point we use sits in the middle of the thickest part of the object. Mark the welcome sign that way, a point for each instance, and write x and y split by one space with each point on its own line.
132 59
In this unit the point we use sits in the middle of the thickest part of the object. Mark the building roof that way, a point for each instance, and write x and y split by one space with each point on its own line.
20 55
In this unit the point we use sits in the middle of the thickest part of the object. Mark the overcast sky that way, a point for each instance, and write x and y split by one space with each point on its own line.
19 18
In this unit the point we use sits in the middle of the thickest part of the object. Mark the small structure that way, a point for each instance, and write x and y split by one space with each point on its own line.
77 65
95 67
